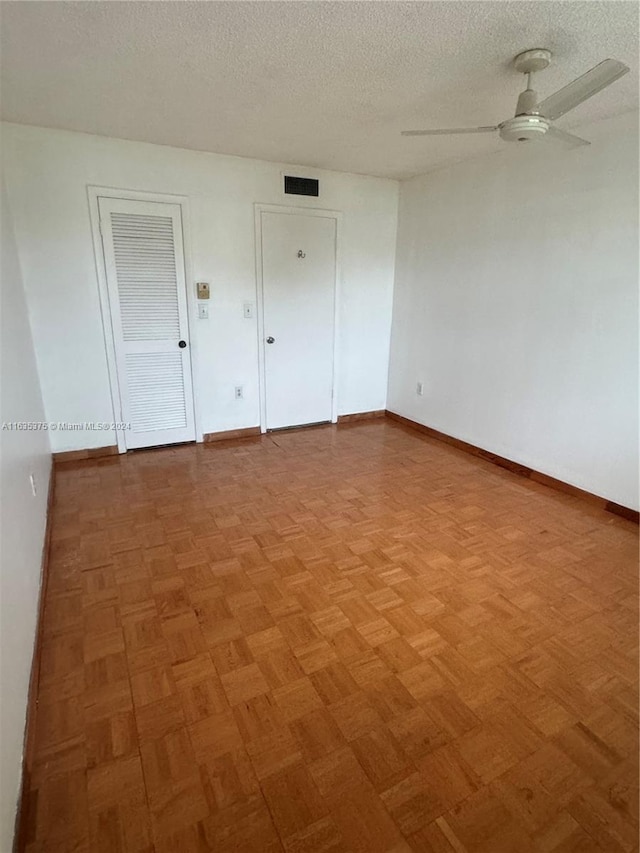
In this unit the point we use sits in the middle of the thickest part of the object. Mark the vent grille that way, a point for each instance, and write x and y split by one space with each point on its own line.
301 186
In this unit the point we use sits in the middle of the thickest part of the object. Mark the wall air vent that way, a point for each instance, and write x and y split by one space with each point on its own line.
301 186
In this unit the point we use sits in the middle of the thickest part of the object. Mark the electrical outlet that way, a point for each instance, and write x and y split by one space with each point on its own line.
32 480
239 392
420 389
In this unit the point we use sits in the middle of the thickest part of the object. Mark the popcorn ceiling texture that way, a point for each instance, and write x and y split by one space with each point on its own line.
321 84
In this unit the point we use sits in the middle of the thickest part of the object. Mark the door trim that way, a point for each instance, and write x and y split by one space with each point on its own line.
288 210
93 194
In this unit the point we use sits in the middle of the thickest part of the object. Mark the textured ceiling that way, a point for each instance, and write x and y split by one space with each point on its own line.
320 84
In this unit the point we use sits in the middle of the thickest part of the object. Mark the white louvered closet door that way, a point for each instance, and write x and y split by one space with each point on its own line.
144 260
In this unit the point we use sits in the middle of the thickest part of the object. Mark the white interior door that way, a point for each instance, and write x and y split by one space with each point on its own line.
144 261
298 289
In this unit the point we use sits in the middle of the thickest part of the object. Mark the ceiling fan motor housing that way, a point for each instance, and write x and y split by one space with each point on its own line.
524 128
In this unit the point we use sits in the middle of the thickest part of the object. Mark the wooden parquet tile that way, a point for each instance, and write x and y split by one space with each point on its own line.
334 640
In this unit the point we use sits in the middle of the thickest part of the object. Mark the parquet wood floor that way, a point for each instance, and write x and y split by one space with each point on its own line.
329 640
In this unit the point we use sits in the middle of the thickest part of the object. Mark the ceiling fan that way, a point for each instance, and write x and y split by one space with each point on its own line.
533 119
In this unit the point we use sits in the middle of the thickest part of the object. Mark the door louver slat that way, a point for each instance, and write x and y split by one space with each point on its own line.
143 248
156 390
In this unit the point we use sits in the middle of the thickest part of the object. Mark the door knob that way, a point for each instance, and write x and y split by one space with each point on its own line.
182 344
270 340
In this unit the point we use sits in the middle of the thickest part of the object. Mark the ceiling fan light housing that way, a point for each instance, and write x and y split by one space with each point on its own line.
524 128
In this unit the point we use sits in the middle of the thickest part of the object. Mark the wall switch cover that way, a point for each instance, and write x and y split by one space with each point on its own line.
203 312
247 310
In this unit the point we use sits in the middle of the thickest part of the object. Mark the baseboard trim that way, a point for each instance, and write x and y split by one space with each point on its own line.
22 814
90 453
517 468
361 416
623 511
229 434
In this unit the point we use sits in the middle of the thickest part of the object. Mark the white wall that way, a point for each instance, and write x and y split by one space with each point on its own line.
22 520
516 303
47 174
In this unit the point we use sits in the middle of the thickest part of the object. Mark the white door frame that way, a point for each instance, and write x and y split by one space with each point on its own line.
93 194
259 209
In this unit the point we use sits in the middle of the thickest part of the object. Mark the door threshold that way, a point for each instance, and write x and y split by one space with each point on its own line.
300 426
160 446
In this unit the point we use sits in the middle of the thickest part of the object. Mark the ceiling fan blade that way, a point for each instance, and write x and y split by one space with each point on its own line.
446 130
584 87
562 136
